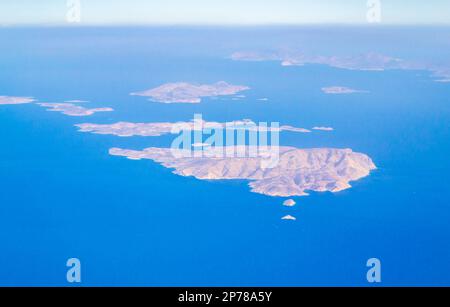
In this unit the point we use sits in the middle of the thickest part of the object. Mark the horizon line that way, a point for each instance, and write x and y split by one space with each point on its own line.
224 25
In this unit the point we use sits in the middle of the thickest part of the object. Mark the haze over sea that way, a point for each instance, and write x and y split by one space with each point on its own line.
136 223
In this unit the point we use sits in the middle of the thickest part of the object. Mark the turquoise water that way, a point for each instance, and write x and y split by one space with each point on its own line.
135 223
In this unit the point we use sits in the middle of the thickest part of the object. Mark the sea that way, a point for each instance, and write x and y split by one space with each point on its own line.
135 223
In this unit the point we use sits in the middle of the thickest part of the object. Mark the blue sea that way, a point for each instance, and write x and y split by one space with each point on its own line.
134 223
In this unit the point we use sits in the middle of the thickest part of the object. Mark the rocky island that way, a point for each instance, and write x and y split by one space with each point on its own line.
127 129
297 170
183 92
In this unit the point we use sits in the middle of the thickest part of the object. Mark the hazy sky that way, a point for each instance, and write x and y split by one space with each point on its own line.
18 12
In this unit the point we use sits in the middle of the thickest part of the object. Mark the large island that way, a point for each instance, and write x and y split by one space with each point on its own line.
295 172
